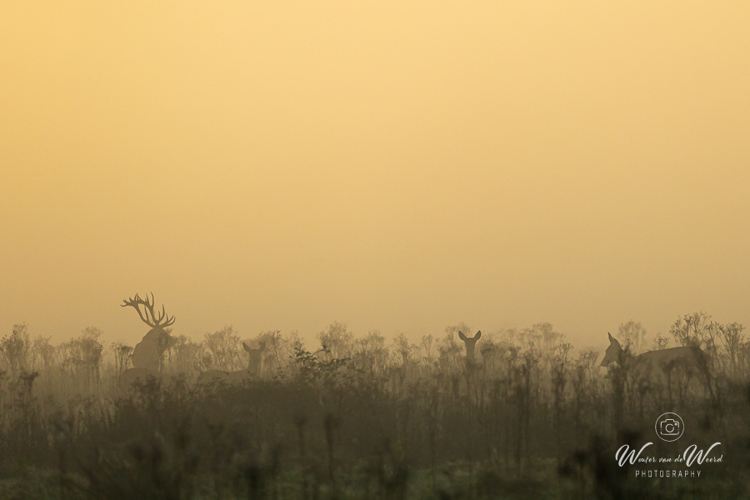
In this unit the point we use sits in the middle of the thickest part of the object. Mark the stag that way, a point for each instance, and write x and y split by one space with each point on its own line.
470 344
148 353
253 369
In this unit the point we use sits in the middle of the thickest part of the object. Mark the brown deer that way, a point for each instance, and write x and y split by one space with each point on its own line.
658 366
253 370
148 353
470 344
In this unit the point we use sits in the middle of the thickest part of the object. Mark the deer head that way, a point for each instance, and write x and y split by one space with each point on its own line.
470 343
256 357
613 353
149 351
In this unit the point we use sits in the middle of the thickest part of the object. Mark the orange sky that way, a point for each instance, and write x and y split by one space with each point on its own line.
398 166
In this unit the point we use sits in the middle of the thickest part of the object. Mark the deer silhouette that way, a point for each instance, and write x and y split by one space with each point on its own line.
657 366
148 353
253 370
470 344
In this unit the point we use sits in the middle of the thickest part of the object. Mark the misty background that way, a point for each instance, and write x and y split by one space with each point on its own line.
396 167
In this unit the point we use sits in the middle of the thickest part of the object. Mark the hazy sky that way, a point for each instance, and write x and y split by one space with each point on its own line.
396 165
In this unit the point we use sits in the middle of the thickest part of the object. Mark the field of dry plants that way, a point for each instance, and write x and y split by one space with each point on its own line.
365 417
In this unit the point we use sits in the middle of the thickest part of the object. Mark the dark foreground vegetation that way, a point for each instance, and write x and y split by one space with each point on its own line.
368 419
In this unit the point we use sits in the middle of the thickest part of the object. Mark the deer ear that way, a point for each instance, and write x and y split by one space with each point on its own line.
462 336
478 335
611 340
244 346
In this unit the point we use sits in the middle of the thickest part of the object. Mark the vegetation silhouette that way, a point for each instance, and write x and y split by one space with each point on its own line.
359 417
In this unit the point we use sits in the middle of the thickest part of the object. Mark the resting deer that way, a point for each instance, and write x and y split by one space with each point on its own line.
471 343
148 353
253 369
657 366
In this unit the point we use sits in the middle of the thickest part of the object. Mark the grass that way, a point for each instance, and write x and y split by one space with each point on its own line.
527 422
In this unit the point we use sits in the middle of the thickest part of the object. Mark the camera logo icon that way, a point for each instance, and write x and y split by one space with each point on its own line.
669 427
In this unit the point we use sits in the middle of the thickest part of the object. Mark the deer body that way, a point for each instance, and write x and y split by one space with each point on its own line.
659 366
253 369
149 351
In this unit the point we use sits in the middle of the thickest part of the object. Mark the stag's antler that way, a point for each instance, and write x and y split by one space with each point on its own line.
162 320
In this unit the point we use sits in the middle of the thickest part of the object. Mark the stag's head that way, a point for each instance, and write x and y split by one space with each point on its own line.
470 343
613 353
149 351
